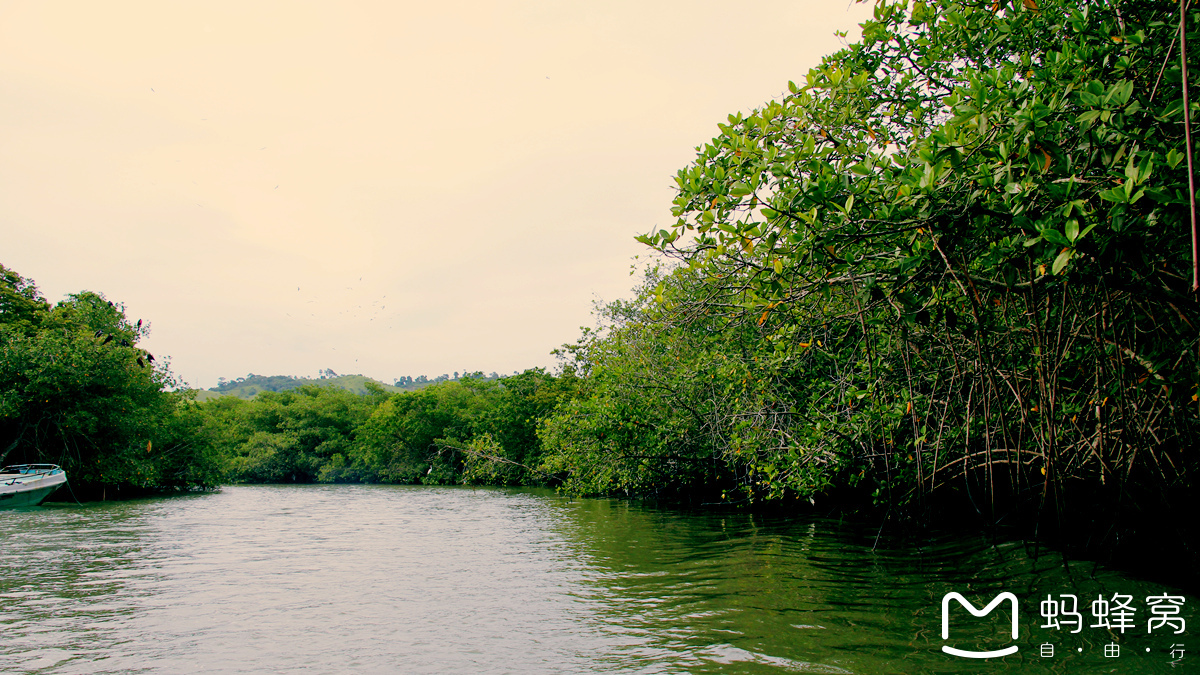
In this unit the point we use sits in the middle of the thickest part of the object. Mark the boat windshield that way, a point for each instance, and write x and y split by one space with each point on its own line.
26 469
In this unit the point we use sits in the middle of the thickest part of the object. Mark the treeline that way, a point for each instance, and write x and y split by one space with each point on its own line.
260 383
407 382
471 430
951 272
955 259
251 384
76 390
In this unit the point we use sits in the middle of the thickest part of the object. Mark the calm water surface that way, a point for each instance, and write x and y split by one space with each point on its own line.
386 579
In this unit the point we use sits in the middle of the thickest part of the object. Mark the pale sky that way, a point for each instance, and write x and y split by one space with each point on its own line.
385 188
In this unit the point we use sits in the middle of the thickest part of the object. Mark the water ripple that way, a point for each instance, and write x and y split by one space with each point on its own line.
389 579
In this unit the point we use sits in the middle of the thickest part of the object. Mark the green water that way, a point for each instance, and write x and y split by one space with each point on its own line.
383 579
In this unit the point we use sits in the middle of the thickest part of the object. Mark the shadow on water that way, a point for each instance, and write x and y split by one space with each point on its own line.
751 593
456 580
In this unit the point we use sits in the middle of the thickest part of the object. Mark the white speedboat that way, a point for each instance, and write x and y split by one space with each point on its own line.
29 484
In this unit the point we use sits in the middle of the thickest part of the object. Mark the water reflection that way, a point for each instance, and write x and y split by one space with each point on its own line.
744 593
454 580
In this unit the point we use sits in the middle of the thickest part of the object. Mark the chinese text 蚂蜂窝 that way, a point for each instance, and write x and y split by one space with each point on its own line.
1117 613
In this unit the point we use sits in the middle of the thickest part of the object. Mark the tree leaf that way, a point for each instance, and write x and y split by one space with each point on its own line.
1061 261
1055 237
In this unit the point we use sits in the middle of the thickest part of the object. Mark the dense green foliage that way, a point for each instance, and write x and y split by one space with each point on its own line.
953 261
76 390
472 429
285 436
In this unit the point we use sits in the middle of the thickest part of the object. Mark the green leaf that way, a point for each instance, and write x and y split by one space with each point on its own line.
1114 195
1055 237
1172 109
1164 197
1061 261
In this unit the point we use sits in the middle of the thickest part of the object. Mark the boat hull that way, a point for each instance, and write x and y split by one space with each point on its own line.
29 489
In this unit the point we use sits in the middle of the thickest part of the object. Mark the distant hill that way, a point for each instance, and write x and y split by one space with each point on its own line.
248 387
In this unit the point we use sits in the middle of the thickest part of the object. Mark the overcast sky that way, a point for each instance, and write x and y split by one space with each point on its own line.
385 188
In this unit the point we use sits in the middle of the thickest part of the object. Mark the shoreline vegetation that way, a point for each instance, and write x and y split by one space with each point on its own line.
945 278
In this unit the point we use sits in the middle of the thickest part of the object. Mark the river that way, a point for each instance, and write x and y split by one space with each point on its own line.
398 579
